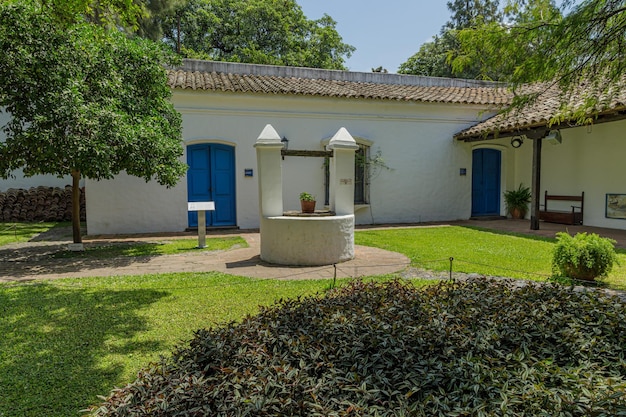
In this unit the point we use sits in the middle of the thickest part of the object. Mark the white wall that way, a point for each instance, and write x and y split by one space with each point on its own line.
19 181
590 159
415 140
128 204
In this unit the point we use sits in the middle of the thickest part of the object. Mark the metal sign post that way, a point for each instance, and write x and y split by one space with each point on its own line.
201 207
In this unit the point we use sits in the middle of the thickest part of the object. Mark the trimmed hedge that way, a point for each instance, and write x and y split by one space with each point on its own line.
475 348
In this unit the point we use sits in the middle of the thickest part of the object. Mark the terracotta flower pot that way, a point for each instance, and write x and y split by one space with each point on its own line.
307 206
580 272
517 213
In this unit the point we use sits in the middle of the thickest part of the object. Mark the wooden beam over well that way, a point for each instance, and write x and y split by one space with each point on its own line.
294 152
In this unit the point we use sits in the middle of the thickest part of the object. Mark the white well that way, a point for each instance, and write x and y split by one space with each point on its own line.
295 240
307 240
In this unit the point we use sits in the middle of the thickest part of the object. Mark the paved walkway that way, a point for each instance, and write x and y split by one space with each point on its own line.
32 260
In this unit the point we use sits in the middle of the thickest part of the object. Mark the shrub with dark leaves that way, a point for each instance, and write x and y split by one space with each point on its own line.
475 348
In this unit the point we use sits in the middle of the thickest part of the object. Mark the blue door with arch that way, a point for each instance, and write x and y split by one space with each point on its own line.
211 177
486 173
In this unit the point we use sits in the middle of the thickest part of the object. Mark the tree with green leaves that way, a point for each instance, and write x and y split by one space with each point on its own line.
150 24
102 12
480 46
84 102
434 57
465 13
141 17
586 45
274 32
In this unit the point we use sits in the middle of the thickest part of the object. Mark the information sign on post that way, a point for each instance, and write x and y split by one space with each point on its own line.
201 207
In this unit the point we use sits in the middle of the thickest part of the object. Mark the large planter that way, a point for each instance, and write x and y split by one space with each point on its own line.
307 206
517 201
517 213
580 272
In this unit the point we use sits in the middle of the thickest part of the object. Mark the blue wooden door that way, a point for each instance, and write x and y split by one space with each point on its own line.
211 177
486 165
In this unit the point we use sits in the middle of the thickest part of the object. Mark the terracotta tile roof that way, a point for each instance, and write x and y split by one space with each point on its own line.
262 79
545 109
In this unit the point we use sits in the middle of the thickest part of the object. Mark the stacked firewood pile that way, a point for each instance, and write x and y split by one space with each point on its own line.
48 204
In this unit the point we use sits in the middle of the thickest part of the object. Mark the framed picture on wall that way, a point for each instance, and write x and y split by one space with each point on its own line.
616 206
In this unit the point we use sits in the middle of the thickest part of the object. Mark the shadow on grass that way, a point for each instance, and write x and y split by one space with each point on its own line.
597 283
55 343
113 250
60 232
508 233
527 236
27 261
31 261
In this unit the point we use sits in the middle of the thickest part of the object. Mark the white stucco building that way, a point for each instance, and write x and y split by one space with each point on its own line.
409 121
435 136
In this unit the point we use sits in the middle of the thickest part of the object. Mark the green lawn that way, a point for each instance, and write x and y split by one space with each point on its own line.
477 250
22 232
66 341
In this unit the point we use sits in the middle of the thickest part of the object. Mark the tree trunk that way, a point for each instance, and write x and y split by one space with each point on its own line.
76 206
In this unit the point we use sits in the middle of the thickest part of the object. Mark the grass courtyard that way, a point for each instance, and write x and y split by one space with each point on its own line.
67 341
22 232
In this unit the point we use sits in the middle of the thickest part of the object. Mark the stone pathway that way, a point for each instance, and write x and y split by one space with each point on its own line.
33 260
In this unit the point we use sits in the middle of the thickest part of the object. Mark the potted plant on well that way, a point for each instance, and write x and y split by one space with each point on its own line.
307 203
517 201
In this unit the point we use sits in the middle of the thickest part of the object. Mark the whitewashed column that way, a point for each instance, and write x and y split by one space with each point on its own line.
269 172
341 190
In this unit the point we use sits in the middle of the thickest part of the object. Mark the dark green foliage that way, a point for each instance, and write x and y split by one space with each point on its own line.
432 57
110 13
85 101
584 256
466 13
479 348
155 11
579 46
272 32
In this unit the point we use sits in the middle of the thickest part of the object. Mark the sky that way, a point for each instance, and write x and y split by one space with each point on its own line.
384 32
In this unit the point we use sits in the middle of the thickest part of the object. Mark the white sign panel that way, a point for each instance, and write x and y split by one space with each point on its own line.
200 205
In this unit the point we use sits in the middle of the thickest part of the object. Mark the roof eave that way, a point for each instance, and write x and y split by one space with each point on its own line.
532 130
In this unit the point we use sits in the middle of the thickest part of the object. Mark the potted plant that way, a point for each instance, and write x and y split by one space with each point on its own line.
517 201
583 256
307 203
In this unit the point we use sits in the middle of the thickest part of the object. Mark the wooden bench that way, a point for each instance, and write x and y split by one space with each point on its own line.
575 216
